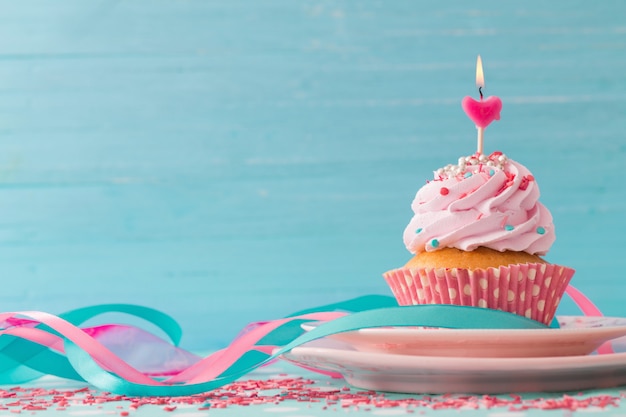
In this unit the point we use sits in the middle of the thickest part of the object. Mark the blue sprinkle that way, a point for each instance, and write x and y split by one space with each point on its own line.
491 172
508 227
541 230
419 229
434 243
467 174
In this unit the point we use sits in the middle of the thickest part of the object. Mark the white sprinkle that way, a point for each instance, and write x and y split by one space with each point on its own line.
470 164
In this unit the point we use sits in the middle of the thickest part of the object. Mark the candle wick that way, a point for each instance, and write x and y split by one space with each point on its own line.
480 91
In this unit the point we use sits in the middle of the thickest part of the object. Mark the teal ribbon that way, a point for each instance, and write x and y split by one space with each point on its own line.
22 360
368 312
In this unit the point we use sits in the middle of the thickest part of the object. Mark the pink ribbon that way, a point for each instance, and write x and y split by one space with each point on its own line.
101 343
589 309
195 369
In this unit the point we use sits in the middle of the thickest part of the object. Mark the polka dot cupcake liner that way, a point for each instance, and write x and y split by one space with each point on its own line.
530 290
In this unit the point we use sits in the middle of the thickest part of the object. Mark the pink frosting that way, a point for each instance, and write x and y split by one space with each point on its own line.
490 202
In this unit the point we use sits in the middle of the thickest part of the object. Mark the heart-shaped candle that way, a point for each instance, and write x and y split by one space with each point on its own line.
482 112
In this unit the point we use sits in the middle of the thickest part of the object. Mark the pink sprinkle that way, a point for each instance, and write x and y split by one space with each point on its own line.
300 390
444 191
524 184
506 218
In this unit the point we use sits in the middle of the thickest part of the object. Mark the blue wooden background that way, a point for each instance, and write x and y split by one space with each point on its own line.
231 161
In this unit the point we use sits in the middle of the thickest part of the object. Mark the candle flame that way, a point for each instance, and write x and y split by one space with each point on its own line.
480 78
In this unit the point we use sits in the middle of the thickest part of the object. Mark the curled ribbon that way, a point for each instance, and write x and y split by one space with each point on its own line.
34 343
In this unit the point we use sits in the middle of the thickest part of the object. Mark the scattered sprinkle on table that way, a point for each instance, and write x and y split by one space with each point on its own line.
287 392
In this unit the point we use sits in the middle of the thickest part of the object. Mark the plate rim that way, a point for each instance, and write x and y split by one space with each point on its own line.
441 375
482 331
432 362
550 342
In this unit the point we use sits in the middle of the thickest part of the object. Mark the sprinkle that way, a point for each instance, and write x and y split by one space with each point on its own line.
444 191
509 175
299 390
541 230
491 172
434 243
419 229
524 184
508 227
472 164
504 222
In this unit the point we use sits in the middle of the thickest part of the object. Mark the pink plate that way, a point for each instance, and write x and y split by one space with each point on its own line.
439 375
577 336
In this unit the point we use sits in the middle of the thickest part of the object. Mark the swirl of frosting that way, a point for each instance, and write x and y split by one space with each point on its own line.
485 201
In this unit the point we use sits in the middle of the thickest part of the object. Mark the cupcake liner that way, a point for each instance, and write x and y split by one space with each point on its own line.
529 290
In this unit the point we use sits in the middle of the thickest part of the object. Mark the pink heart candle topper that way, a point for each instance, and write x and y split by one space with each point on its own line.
482 112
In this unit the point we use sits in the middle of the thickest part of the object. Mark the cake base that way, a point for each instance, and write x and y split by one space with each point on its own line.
480 258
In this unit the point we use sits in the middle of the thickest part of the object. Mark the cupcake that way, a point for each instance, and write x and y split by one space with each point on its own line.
478 235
